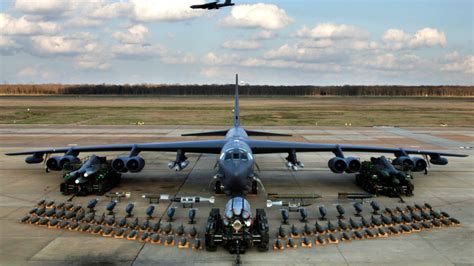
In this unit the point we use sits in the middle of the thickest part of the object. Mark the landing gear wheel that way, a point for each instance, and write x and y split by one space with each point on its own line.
218 187
212 228
410 188
254 187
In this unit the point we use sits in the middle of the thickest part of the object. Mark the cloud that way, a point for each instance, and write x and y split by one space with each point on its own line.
332 31
220 59
428 37
35 72
25 26
265 16
63 45
454 62
138 51
241 45
134 34
8 46
390 62
83 22
179 58
264 35
90 62
165 10
112 10
397 39
212 72
41 6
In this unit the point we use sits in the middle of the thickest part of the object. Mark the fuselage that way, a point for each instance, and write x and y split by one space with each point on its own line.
236 163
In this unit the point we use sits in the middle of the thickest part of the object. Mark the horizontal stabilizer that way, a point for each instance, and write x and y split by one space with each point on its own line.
208 133
263 133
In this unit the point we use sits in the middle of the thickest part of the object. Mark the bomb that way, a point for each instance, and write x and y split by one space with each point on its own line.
129 209
358 208
341 211
322 212
375 207
284 216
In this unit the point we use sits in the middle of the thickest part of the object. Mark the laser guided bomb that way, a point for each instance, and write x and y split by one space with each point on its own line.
236 229
95 175
379 176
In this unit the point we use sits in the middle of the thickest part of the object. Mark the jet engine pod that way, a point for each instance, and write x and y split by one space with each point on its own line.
68 159
337 165
53 163
419 164
353 165
34 159
119 164
135 164
403 160
438 160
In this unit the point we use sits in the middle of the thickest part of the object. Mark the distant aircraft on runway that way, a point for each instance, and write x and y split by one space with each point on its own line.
213 5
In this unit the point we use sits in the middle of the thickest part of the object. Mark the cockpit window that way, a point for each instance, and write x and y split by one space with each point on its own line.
235 156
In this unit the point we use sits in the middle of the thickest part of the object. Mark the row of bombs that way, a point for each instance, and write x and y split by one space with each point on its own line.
336 235
426 211
390 223
77 212
144 232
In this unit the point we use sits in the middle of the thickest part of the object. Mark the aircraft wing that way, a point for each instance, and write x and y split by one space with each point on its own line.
204 146
267 146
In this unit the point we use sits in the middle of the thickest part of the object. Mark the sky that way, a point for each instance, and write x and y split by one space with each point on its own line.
297 42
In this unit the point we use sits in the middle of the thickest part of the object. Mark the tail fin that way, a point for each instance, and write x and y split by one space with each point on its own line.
236 104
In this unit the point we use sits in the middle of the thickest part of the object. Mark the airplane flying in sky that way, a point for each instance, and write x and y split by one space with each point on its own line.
213 5
236 163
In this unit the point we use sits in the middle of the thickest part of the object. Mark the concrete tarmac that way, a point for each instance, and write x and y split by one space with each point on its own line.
449 188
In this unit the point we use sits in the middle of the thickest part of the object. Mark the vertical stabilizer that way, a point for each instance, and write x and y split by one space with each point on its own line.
236 104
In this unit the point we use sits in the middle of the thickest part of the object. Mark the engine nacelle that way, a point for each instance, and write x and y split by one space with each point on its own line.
135 164
53 163
403 160
419 164
34 159
119 164
68 159
438 160
337 165
353 165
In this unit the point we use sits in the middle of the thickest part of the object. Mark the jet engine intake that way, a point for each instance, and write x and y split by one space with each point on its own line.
337 165
53 163
353 165
404 160
119 164
68 159
419 164
135 164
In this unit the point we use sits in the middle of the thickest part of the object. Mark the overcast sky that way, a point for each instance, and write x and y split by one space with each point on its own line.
329 42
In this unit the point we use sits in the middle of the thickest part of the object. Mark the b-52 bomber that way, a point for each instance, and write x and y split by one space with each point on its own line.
235 174
213 5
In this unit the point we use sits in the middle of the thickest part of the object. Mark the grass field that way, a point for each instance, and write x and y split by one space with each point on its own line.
284 111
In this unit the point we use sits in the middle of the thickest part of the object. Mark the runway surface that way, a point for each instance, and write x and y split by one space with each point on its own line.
450 188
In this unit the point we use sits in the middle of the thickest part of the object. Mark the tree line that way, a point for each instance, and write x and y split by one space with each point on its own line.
251 90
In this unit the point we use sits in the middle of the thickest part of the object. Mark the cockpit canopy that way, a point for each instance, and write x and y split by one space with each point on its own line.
237 208
236 154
